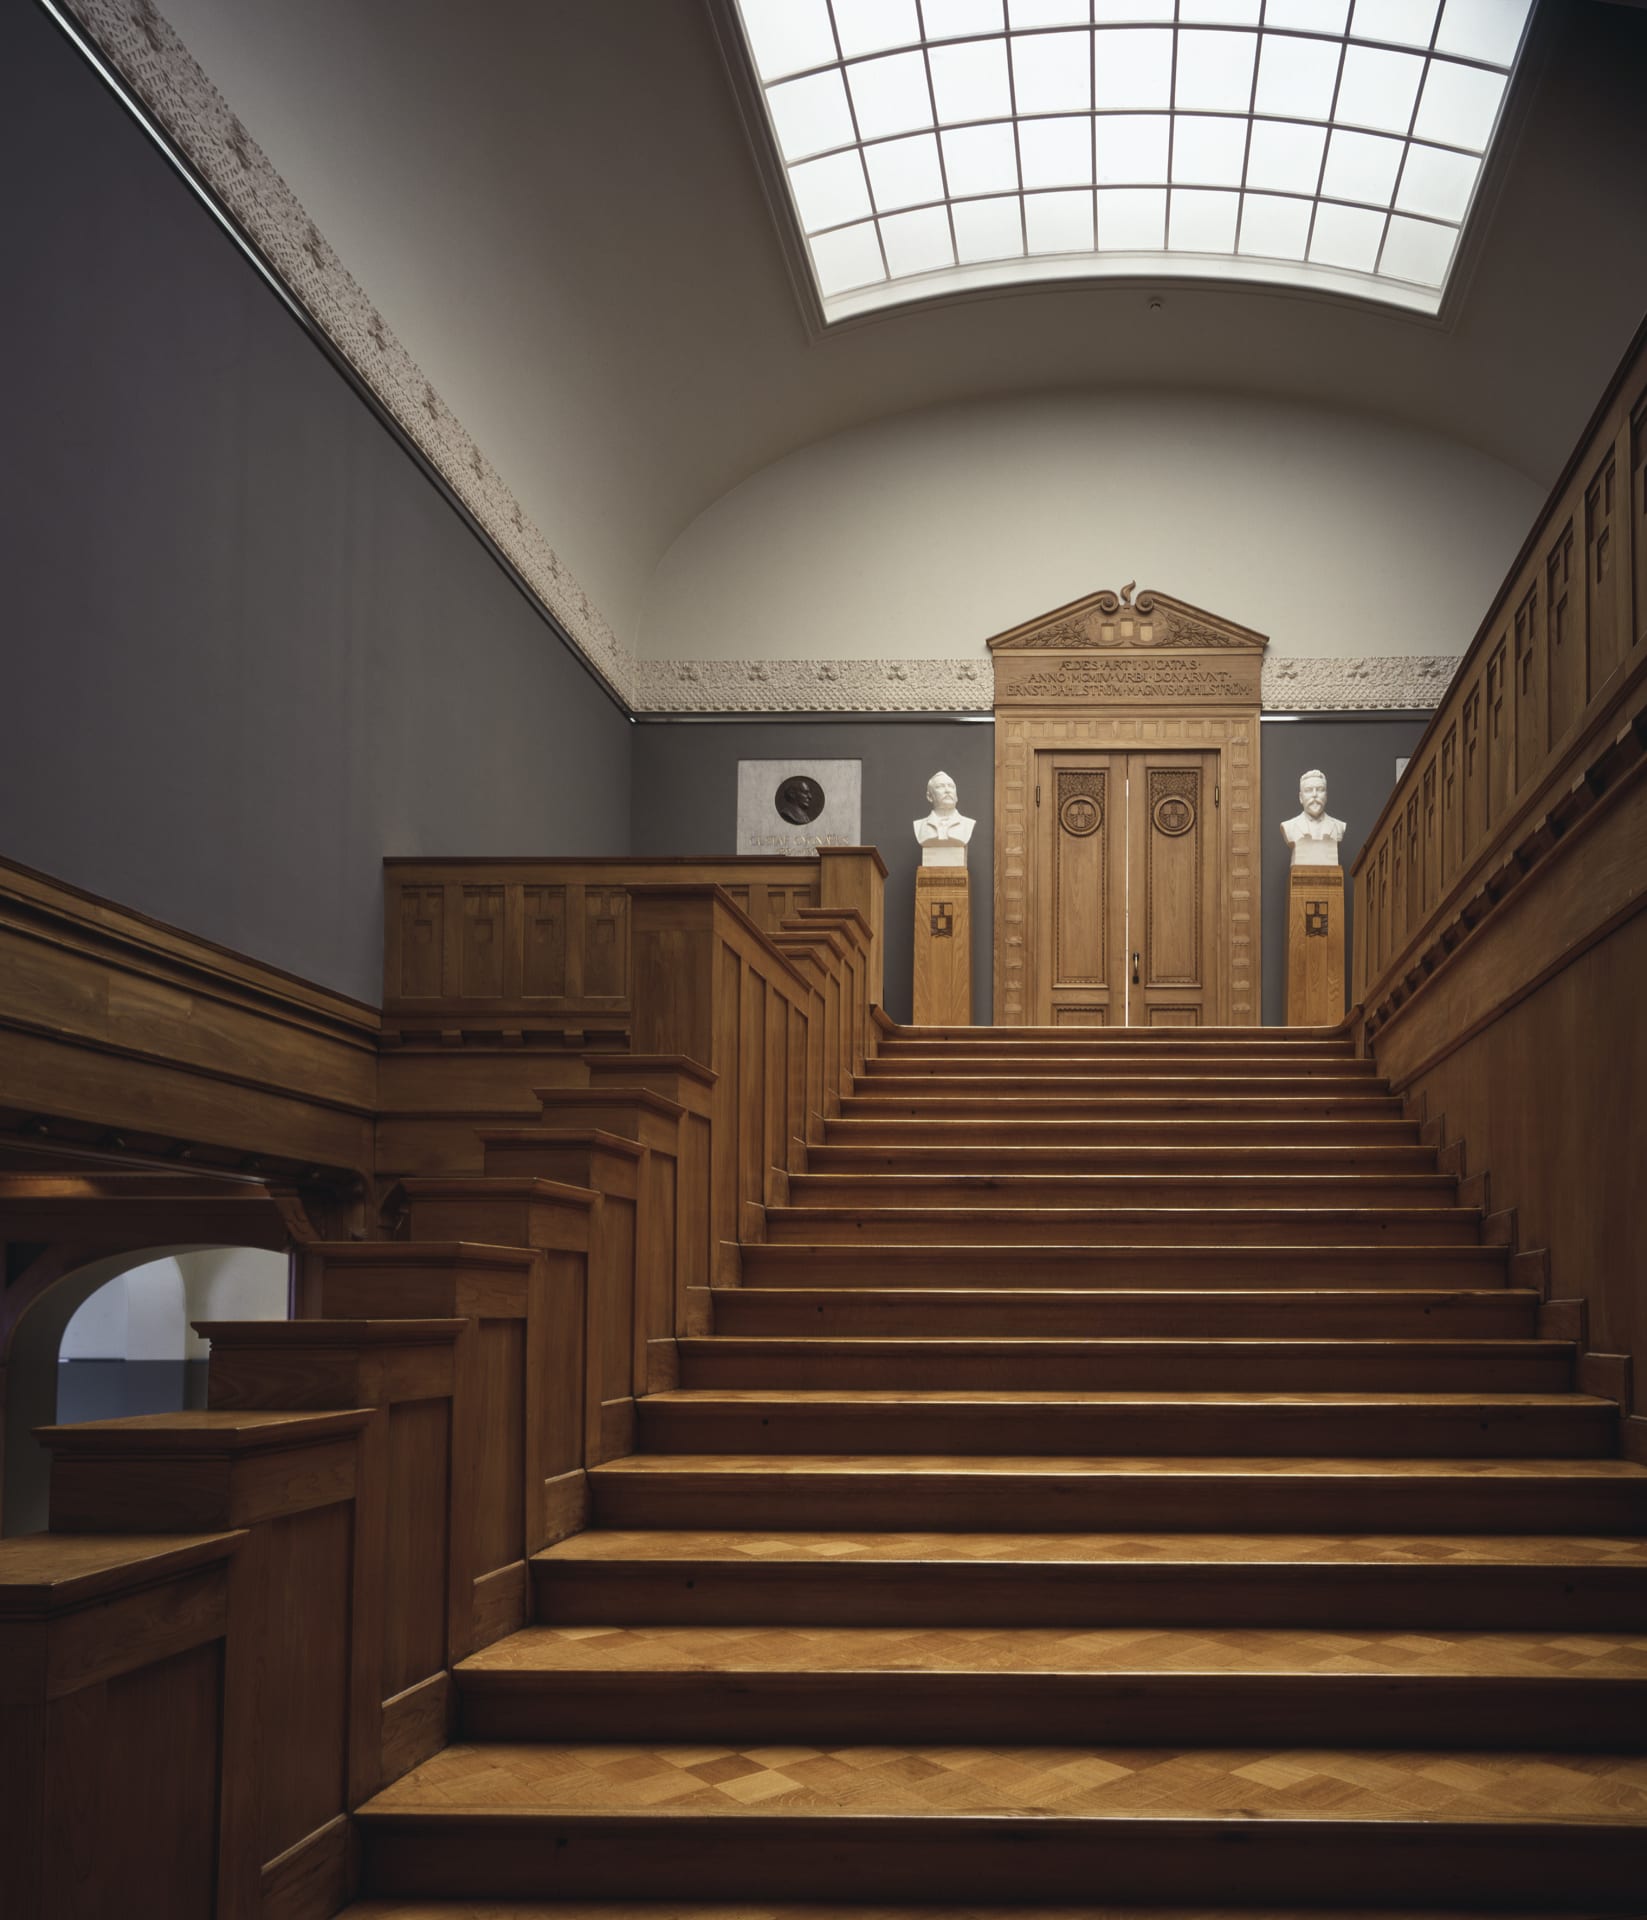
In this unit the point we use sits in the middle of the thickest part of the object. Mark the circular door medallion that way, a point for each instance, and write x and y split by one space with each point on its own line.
1173 815
1080 815
800 800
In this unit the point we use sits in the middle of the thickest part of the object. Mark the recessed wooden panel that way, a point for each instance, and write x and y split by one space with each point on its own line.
1605 630
1432 836
1174 829
1452 809
132 1781
1080 873
1475 774
414 1627
1566 643
481 965
1638 518
543 914
605 943
305 1672
1500 746
422 941
500 1528
1415 865
1530 691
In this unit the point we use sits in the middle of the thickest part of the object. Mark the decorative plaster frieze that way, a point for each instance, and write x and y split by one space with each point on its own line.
153 61
1291 685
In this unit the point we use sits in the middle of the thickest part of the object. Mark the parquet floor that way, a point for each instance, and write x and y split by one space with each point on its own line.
1138 1650
894 1779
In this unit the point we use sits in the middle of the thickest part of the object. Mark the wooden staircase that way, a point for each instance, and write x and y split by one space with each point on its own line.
1127 1474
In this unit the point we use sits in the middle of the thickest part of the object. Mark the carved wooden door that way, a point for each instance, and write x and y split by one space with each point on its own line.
1126 889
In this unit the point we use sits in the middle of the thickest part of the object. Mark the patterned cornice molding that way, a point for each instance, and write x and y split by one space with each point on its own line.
1291 685
153 61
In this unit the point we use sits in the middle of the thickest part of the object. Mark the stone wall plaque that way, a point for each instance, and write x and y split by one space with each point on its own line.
797 806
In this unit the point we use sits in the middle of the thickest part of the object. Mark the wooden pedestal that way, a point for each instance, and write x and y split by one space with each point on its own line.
1315 947
943 948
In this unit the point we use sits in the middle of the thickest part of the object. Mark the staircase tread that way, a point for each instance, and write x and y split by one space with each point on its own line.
786 1343
1499 1789
607 1544
1061 1651
405 1909
1254 1467
677 1397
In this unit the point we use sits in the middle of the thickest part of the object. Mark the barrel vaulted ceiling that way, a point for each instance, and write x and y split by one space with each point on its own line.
541 231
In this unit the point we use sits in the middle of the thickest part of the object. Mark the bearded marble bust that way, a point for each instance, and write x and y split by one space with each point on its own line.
945 822
1313 834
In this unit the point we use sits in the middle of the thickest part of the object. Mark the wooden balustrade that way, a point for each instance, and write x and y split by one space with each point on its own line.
1500 938
1552 675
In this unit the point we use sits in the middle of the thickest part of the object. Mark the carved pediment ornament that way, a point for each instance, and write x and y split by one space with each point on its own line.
1116 621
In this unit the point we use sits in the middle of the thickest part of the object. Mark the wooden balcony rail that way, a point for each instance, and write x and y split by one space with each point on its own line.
1511 759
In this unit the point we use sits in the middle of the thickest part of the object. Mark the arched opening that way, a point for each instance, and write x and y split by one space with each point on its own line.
131 1347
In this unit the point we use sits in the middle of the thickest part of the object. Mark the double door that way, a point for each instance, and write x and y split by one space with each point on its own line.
1126 889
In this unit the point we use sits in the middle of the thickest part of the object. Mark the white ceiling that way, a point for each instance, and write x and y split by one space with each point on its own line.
554 205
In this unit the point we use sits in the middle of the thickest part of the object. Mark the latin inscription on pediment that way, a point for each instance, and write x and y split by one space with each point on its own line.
1108 678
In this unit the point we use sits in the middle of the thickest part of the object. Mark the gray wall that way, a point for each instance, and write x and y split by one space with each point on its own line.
1357 753
248 646
686 783
686 801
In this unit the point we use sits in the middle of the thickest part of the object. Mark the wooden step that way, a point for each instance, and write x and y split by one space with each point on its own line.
938 1132
1002 1107
1136 1686
1254 1365
1241 1824
1069 1044
1091 1495
1030 1034
1216 1069
858 1262
1158 1425
414 1909
1120 1226
1561 1583
1021 1082
868 1312
1010 1188
1008 1154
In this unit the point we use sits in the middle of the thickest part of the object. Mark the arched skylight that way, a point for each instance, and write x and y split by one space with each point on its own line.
935 145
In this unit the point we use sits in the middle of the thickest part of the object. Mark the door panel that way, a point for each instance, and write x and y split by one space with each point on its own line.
1080 882
1125 903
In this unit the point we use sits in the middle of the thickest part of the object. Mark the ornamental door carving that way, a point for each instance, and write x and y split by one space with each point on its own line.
1126 891
1126 794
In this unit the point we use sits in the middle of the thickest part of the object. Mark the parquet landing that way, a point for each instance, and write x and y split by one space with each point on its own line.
1091 1782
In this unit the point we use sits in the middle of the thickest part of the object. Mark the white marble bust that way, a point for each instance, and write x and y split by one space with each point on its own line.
1313 834
944 832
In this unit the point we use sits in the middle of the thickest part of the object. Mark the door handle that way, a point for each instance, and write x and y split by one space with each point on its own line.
1135 969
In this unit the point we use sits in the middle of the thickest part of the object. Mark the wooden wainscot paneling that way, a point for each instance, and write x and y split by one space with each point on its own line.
1506 992
856 877
111 1714
408 1517
712 986
511 1254
295 1585
115 1022
499 974
614 1166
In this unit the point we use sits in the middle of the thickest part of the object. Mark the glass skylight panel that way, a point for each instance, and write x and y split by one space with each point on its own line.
1335 144
874 26
1297 77
1132 220
988 230
1058 152
1058 222
1275 226
1132 69
1051 72
1214 71
1132 148
981 160
970 81
905 173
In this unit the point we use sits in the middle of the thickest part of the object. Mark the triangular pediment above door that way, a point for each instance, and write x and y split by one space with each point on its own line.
1120 623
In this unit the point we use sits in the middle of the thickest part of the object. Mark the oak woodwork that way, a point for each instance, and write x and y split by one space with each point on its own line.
1126 794
1315 946
943 948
